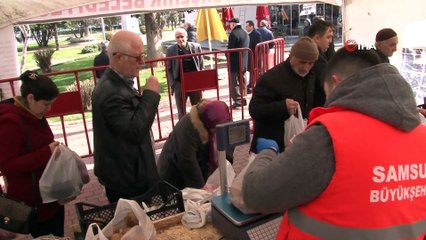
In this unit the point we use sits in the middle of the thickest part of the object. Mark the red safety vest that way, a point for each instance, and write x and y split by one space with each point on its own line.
378 190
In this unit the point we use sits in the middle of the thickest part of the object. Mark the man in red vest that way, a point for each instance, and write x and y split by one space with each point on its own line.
358 171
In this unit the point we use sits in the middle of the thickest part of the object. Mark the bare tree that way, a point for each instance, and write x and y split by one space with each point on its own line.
42 33
79 28
111 21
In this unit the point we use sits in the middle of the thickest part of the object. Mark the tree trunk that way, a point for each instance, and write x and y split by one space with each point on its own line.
153 37
86 27
55 29
25 30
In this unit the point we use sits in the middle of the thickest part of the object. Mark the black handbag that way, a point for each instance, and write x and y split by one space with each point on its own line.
15 215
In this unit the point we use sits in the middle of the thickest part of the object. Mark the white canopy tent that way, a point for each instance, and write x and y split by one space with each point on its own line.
30 11
14 12
361 18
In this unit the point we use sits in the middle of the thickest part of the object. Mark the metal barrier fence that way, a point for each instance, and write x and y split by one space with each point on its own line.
211 81
268 58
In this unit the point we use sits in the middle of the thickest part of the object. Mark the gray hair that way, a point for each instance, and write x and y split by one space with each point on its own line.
182 30
264 23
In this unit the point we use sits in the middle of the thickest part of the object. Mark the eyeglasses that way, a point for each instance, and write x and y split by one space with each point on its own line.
139 58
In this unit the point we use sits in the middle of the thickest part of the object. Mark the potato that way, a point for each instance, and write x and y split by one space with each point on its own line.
125 230
116 236
131 220
115 229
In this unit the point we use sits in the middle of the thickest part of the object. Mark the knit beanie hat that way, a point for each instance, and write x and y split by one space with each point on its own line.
213 113
385 34
306 49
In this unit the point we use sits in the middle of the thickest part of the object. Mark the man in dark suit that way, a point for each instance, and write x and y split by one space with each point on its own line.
101 60
195 63
238 38
255 38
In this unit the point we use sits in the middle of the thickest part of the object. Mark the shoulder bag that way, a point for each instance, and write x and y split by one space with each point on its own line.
15 215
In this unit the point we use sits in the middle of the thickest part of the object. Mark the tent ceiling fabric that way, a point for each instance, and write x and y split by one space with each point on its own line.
16 11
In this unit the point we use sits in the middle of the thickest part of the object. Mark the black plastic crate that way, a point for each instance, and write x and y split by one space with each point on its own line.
163 195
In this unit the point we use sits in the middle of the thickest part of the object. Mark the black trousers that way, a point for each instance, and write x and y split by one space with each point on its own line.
54 226
114 196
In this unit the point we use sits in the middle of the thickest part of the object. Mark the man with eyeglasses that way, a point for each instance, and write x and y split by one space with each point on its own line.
122 118
189 64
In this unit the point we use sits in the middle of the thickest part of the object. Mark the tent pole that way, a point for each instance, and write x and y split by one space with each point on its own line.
209 37
344 24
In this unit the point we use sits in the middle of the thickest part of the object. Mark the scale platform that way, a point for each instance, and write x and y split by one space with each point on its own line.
230 221
236 225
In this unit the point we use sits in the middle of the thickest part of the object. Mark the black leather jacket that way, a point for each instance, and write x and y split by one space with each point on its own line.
124 157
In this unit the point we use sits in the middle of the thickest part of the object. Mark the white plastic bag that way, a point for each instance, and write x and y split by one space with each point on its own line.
293 126
144 230
213 182
90 235
62 178
236 189
197 207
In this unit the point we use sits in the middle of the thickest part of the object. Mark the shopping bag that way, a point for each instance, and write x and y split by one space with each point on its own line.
15 215
90 235
130 222
236 189
63 177
213 181
293 126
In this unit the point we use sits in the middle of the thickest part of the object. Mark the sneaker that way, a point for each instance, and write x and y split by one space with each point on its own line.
236 105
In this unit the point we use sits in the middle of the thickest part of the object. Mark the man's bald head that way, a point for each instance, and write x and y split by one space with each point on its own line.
126 53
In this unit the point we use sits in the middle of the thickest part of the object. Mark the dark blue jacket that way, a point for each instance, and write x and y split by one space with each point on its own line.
266 35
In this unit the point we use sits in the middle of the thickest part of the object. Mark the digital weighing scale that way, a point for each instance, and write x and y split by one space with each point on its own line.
228 219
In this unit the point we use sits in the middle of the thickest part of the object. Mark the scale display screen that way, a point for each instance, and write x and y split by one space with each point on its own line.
232 134
237 134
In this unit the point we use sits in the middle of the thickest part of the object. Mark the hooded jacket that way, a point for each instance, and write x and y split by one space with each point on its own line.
183 161
185 157
24 150
304 170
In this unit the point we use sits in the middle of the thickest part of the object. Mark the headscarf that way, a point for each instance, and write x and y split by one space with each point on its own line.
211 114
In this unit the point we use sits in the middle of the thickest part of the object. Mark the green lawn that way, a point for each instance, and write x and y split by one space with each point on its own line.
69 57
34 45
62 55
64 80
